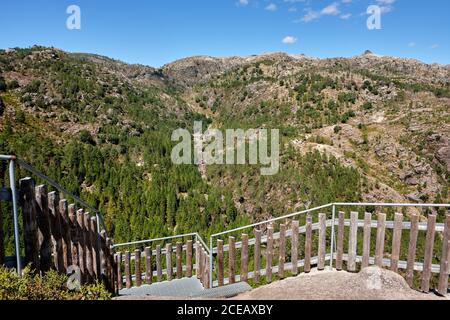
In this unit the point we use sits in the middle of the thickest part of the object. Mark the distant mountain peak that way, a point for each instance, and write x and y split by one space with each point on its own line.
367 53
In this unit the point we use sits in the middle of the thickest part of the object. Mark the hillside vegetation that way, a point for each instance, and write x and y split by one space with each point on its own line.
366 128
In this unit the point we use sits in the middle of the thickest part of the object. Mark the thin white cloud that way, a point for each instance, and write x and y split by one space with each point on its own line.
289 40
435 46
332 9
271 7
411 44
243 3
346 16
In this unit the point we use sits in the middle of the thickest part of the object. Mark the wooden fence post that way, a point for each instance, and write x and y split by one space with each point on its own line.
340 241
282 251
205 269
445 259
428 256
197 259
232 260
269 254
322 241
148 265
220 270
81 244
88 246
127 269
381 229
201 265
95 240
179 256
294 248
396 241
74 237
308 241
352 242
65 230
27 201
55 226
43 221
414 231
104 257
244 258
137 267
189 258
169 267
366 239
257 253
119 270
158 263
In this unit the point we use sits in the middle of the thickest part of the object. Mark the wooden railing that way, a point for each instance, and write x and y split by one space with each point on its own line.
59 236
419 250
162 261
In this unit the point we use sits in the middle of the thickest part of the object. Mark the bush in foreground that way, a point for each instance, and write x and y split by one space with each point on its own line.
52 286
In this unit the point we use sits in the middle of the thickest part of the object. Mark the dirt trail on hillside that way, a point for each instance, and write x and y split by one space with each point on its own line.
370 284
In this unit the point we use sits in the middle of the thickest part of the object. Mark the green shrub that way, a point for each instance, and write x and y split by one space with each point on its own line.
52 286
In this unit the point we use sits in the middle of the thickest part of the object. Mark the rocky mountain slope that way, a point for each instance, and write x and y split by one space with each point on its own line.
363 128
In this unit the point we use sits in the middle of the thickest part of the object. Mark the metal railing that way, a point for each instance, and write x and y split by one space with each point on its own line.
13 161
333 207
197 237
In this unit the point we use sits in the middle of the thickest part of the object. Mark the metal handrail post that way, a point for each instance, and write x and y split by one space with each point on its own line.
12 183
333 217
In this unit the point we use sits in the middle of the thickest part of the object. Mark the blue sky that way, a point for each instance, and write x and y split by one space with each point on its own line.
155 32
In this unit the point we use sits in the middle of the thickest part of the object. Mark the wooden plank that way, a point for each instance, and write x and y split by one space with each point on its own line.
414 231
201 264
65 232
55 228
282 251
28 203
294 248
308 243
206 269
95 247
340 241
197 259
73 229
396 241
352 242
88 246
220 266
381 230
257 256
189 247
148 265
119 270
366 239
428 256
110 266
81 244
445 259
127 269
269 254
322 240
244 258
104 258
179 252
158 264
43 221
232 260
137 268
169 266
